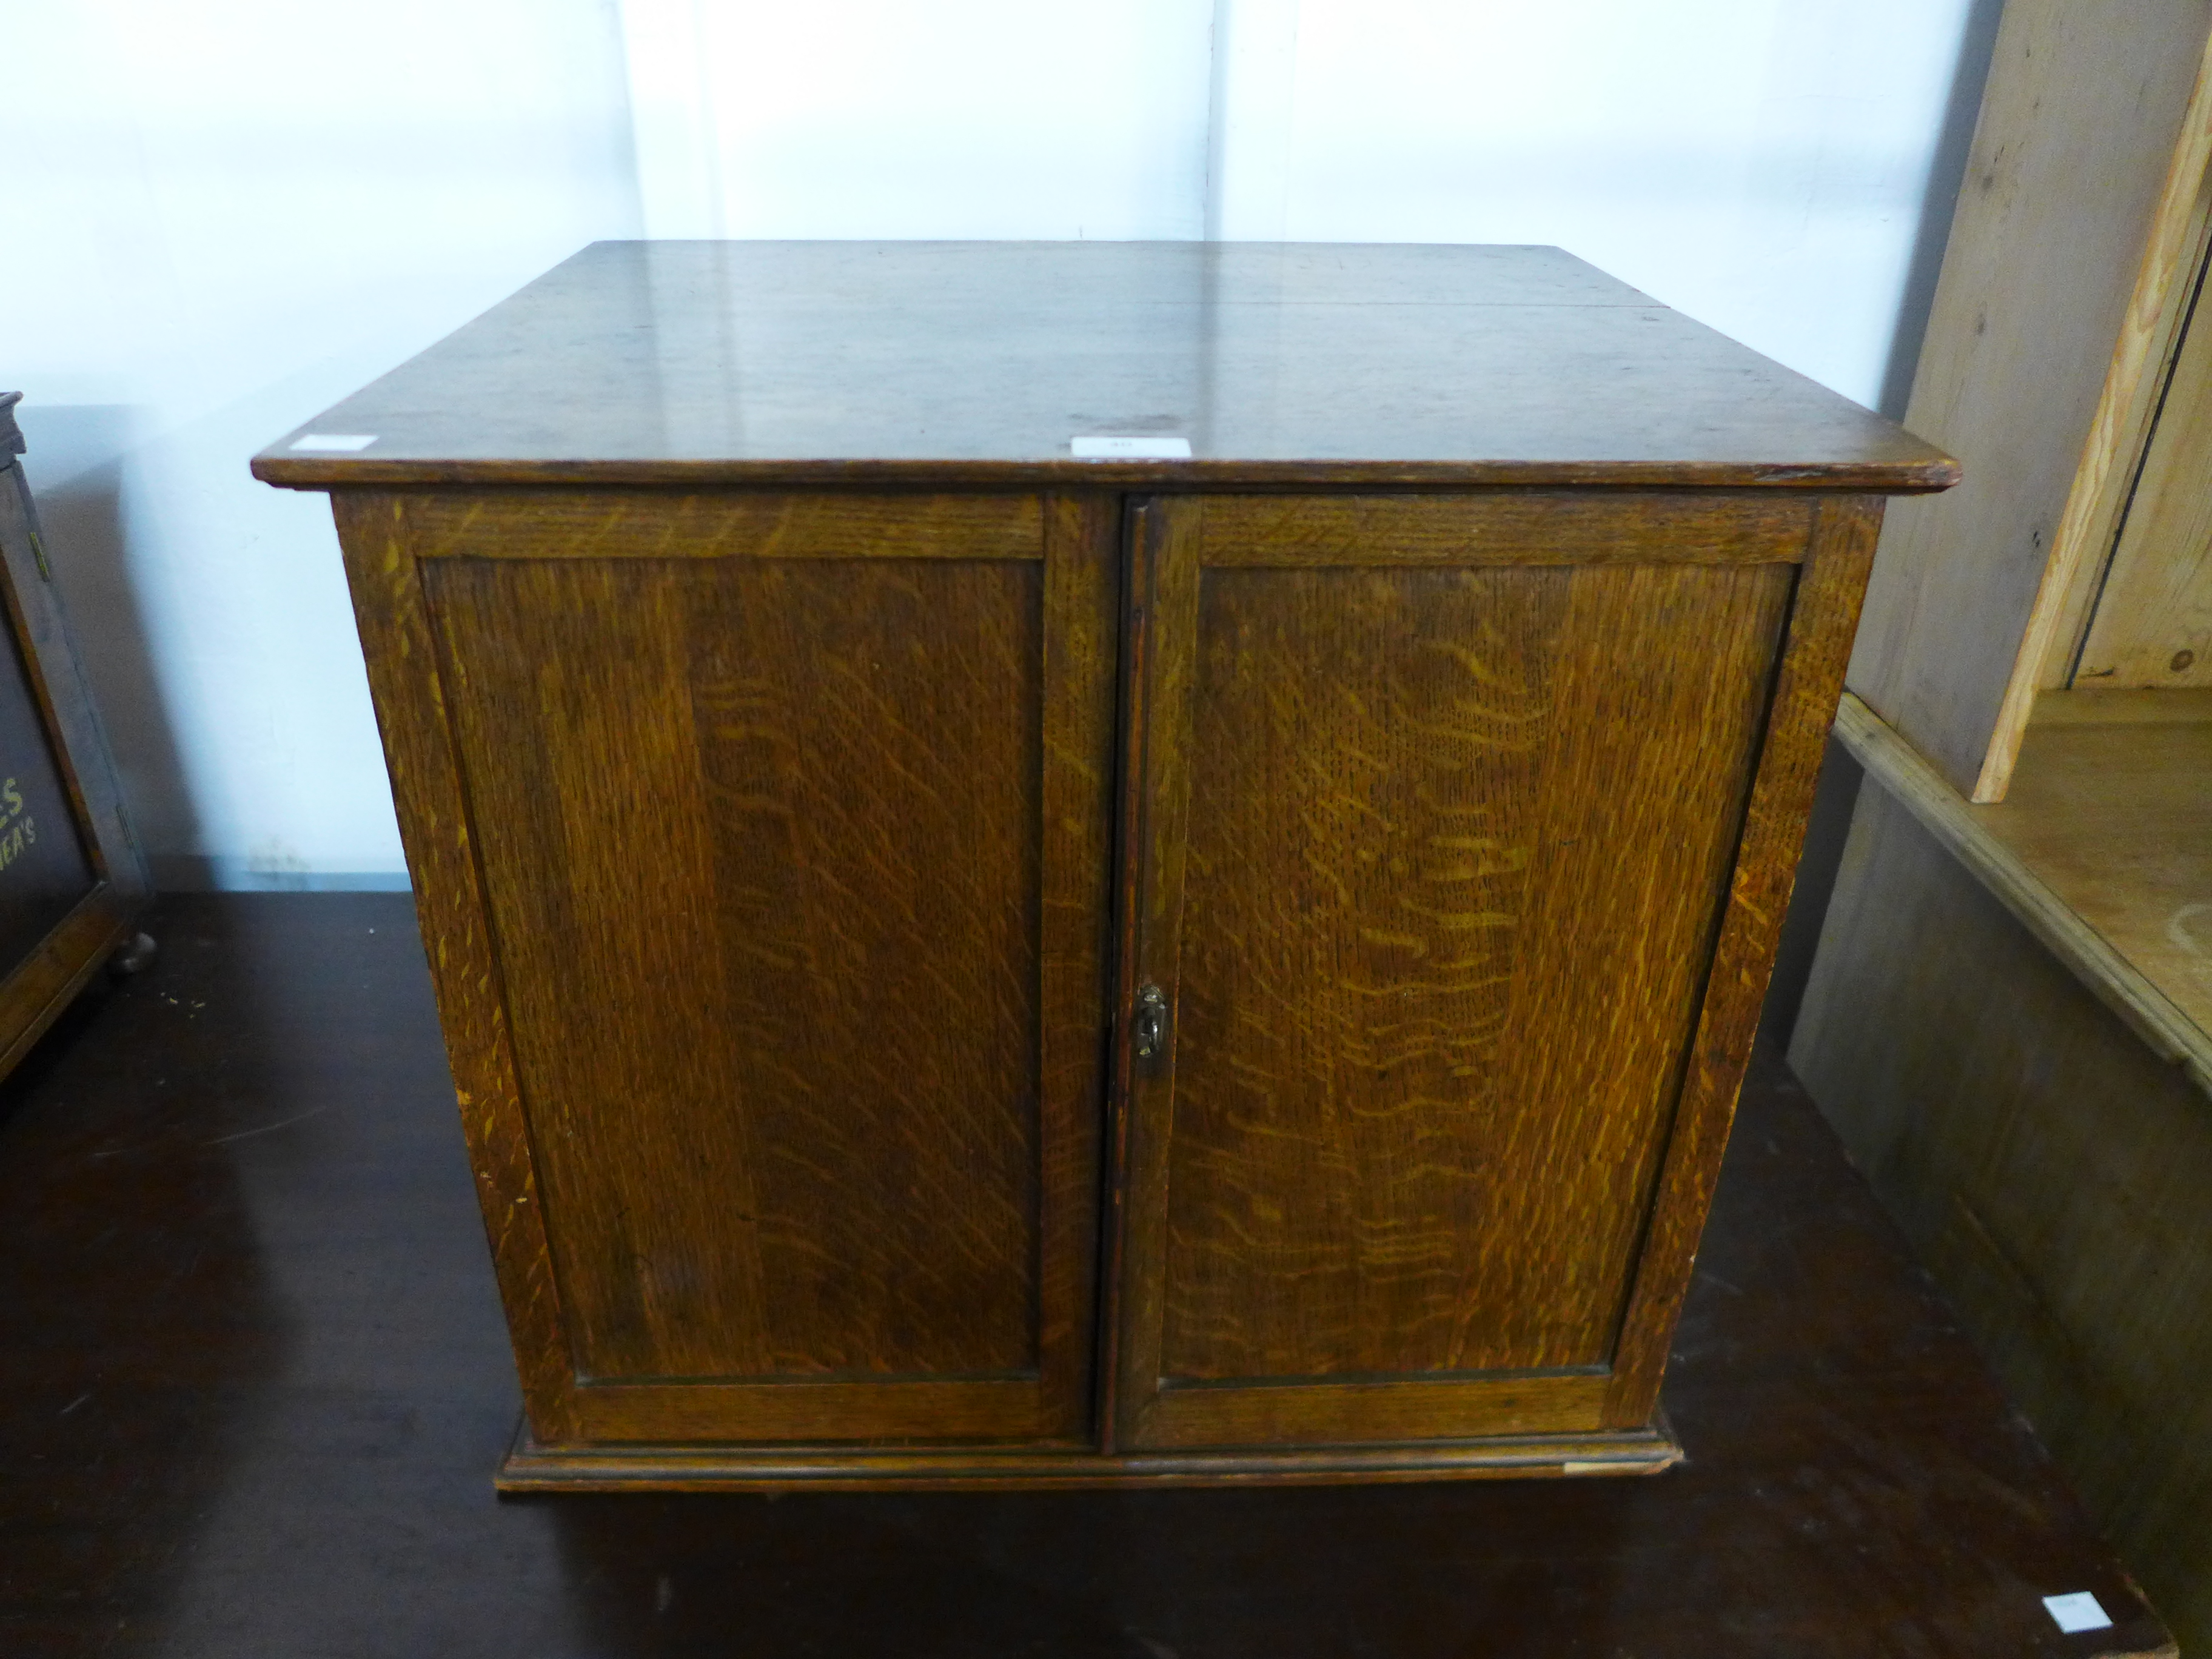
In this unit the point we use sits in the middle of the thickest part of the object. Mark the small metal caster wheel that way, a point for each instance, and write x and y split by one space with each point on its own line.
134 957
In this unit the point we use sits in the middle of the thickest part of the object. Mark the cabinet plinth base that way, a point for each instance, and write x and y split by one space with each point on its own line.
531 1466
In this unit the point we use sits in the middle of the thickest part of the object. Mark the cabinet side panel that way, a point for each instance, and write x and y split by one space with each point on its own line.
1458 841
403 680
1082 621
1823 612
761 842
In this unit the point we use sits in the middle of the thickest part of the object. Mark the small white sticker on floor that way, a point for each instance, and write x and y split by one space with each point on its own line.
1130 449
2080 1611
340 443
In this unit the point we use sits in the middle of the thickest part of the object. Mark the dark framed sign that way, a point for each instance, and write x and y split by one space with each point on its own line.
72 878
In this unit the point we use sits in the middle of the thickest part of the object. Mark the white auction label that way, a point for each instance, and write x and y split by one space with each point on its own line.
2080 1611
338 443
1130 449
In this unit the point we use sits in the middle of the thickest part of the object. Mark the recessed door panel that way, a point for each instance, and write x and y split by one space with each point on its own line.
1435 854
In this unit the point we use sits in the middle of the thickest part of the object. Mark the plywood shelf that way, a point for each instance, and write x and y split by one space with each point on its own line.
2102 849
2111 806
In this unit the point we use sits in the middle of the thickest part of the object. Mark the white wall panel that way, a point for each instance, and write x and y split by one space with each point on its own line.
1760 164
224 217
1019 118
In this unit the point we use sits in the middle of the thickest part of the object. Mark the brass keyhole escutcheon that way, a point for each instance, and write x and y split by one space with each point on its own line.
1148 1036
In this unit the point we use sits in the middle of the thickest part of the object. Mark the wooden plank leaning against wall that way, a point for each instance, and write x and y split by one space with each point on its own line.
2079 228
2009 1019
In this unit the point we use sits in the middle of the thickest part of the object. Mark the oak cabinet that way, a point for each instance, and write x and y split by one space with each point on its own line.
964 962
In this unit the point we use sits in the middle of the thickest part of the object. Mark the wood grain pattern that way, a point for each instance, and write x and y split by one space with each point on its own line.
1965 832
2129 708
1451 844
2152 622
1082 616
2167 289
1142 525
1456 844
1079 622
1305 1412
1164 579
660 524
2065 185
2116 817
971 365
1545 527
408 688
763 791
531 1466
918 1409
2048 1166
1823 613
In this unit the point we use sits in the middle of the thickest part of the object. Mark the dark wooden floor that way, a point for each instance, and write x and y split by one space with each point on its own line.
253 1383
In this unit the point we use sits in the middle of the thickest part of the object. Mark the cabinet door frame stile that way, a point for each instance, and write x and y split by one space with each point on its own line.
1808 683
1082 603
1161 617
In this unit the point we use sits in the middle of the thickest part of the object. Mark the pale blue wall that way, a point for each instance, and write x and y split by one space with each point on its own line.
227 216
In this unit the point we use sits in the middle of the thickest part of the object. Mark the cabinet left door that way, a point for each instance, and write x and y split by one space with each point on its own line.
760 843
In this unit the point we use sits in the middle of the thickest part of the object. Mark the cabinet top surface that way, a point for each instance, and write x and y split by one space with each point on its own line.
977 363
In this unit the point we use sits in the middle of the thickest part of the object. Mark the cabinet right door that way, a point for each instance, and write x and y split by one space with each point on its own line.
1437 802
